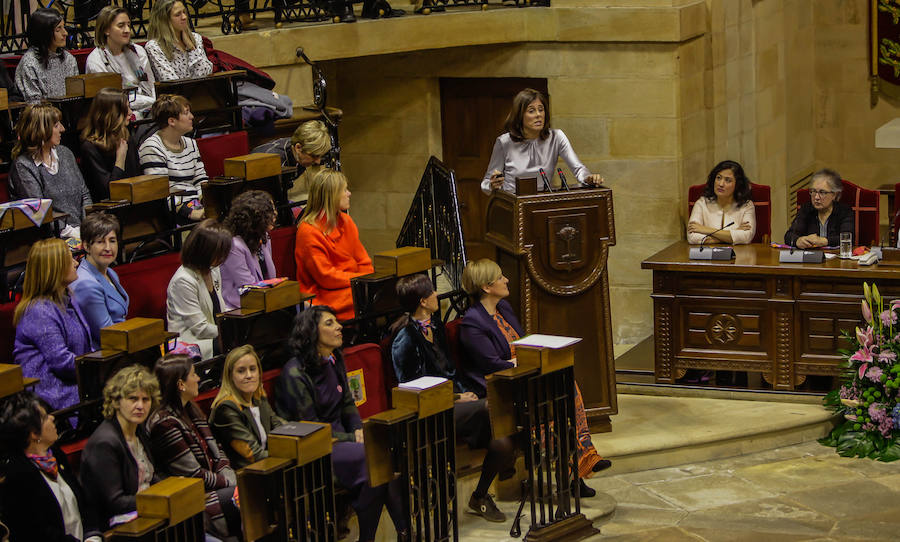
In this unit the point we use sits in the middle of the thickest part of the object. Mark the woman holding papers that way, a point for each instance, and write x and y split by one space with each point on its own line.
724 213
419 349
487 333
241 416
529 145
313 387
822 219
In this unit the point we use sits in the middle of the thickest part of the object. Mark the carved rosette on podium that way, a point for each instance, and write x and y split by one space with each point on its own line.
416 441
553 248
541 391
289 495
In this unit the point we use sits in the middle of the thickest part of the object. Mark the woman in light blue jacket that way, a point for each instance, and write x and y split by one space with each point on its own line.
98 292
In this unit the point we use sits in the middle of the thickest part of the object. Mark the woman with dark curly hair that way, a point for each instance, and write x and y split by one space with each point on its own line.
724 214
250 219
40 495
313 387
117 463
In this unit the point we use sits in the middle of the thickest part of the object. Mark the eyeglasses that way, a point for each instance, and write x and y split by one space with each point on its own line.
821 193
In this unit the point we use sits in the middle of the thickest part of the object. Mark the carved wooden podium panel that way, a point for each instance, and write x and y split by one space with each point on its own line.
553 249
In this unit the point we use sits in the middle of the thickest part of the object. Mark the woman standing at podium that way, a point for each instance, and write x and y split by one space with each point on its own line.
724 213
487 332
530 145
313 387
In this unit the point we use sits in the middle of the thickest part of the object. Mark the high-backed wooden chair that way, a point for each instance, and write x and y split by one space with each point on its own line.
215 149
760 194
866 205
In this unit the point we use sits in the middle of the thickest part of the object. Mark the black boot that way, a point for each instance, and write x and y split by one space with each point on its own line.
343 10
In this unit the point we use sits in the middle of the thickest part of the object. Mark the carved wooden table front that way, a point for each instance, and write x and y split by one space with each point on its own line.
756 314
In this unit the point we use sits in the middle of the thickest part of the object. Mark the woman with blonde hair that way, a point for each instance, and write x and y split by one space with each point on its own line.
106 152
241 416
487 333
115 53
175 52
328 251
42 168
117 463
51 330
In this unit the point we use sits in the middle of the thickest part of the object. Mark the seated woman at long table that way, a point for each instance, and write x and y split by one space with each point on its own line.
419 348
487 332
821 221
313 387
241 416
724 213
529 145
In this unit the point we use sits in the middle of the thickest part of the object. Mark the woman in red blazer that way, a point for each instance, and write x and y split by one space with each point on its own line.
328 251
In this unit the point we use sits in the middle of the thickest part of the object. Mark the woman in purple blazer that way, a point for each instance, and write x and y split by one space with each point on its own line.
50 328
487 333
251 218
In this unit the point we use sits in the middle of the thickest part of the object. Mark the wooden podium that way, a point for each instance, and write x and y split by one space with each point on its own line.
553 249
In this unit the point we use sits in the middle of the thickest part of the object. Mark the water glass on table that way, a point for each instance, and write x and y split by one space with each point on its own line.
846 244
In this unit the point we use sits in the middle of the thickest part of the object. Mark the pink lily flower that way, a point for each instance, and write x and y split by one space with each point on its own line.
864 366
866 312
866 338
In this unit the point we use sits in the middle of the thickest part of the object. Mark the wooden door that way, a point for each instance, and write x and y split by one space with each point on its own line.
472 115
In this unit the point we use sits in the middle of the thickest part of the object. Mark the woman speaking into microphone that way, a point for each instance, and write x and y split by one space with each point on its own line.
530 146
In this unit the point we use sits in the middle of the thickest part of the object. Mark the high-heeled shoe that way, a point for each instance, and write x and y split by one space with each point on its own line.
603 464
585 491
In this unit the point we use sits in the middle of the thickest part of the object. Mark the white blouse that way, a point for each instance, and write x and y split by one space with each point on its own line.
525 159
131 64
710 214
68 505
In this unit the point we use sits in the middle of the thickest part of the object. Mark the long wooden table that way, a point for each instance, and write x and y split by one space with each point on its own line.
756 314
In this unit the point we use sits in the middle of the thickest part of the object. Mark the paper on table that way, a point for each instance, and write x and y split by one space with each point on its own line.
422 383
547 341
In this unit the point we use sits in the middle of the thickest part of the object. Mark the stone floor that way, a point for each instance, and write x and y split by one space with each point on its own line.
799 492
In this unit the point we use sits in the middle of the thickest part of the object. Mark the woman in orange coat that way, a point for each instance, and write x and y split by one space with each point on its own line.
328 251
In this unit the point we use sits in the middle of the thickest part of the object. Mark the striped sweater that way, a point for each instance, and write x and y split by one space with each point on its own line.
185 169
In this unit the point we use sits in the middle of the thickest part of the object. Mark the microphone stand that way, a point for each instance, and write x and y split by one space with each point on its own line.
546 181
708 235
562 178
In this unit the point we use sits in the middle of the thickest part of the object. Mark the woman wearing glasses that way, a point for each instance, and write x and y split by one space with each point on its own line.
821 221
724 213
116 54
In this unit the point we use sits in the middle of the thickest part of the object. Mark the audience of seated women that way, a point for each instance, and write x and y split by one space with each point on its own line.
241 416
114 52
194 295
313 387
821 221
169 152
40 495
529 145
487 332
183 444
42 70
42 168
175 52
250 219
724 213
419 348
328 251
117 461
107 152
51 330
97 291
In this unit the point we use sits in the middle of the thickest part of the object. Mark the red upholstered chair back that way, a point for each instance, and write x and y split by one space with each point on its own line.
80 57
452 330
387 361
146 282
7 331
4 187
760 194
283 242
214 150
367 358
268 381
866 205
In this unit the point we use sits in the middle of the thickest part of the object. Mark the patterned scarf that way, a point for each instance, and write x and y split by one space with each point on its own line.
47 464
425 326
508 332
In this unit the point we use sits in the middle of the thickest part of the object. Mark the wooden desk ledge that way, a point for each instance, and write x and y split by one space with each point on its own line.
514 372
138 527
392 416
268 465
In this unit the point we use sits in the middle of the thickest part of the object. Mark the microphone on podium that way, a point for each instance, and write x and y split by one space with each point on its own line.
546 180
562 178
714 253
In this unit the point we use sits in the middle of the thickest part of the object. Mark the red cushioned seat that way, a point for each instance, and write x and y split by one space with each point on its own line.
73 452
4 187
146 282
80 58
283 241
866 205
452 330
214 150
367 357
760 195
7 331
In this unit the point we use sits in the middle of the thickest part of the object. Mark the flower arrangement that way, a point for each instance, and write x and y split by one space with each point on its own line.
868 397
